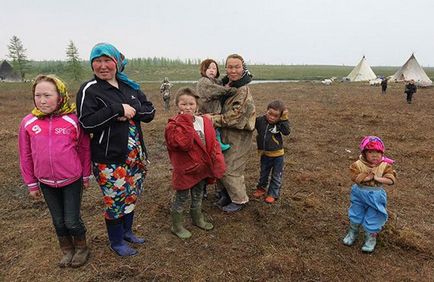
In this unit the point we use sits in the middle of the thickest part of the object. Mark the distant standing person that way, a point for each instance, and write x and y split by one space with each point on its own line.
55 158
111 107
383 85
165 90
237 122
271 127
368 198
410 89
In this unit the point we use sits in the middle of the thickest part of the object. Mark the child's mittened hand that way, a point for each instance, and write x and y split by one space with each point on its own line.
35 195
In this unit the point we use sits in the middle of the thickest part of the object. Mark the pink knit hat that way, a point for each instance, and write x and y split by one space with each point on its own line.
372 143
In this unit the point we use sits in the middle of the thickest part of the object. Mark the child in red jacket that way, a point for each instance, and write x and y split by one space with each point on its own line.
196 158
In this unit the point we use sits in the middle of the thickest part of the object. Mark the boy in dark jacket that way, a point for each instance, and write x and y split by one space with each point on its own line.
270 128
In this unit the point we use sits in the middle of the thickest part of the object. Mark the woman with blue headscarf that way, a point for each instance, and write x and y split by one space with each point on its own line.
111 107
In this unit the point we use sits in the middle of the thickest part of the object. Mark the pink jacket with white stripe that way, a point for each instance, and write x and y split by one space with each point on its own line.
53 150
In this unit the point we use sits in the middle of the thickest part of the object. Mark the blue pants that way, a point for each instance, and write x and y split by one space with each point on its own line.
64 205
275 166
368 207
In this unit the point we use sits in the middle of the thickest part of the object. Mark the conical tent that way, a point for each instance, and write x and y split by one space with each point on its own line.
412 70
362 72
7 73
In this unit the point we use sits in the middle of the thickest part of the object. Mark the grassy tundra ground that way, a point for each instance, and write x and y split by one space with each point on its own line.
298 238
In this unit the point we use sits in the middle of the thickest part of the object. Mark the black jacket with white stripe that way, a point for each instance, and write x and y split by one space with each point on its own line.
99 105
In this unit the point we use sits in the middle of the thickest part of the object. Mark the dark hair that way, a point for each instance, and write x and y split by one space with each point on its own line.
205 65
235 56
277 105
186 91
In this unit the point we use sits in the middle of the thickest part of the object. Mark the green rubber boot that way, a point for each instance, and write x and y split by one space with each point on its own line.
370 242
352 234
198 219
177 228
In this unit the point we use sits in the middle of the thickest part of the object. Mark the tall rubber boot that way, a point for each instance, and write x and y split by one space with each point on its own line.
67 247
223 146
115 230
370 242
198 219
352 234
128 231
81 251
177 227
205 192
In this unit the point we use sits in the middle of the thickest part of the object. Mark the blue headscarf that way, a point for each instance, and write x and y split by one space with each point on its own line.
106 49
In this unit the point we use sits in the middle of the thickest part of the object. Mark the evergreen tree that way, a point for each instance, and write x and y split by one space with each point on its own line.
74 66
17 54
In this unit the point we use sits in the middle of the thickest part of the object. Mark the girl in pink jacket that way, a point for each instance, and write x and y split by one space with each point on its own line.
55 158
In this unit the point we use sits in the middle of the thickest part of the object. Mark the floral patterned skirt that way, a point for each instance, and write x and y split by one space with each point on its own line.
122 183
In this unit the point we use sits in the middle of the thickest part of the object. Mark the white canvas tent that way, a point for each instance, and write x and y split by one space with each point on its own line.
412 70
362 72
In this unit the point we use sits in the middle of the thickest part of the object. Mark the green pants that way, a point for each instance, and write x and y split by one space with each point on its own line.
181 197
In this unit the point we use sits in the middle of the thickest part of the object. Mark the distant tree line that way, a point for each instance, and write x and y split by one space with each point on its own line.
73 68
161 61
156 68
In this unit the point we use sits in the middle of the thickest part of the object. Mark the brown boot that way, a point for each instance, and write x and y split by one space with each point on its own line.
81 251
67 248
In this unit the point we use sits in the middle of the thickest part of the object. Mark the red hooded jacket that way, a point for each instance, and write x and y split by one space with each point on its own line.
192 160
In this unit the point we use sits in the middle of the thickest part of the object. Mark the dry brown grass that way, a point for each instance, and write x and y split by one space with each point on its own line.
298 238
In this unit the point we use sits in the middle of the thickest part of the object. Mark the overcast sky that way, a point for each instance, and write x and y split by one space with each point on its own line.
274 32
